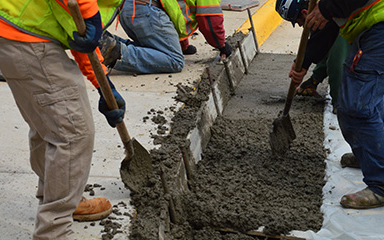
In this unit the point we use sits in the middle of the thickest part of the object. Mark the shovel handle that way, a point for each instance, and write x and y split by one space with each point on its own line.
299 60
100 76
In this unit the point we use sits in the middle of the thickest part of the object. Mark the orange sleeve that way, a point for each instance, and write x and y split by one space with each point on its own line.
86 67
12 33
88 8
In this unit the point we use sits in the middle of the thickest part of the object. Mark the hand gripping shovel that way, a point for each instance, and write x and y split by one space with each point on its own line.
136 167
282 133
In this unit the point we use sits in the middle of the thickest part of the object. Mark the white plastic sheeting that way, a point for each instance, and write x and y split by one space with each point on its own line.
341 223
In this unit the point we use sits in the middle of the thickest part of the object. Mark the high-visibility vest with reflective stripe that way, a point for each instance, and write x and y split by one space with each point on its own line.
48 19
361 19
108 10
183 13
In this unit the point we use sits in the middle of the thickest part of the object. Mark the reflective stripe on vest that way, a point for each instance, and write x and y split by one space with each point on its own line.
189 13
208 10
342 21
48 19
183 13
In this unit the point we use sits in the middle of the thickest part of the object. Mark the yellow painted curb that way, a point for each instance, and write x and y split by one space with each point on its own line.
265 21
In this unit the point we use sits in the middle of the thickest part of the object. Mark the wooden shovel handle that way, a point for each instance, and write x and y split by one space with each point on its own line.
100 76
299 60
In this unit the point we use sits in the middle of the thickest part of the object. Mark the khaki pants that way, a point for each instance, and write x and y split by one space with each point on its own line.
50 93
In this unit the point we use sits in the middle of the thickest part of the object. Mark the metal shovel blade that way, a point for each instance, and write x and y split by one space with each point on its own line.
281 135
136 170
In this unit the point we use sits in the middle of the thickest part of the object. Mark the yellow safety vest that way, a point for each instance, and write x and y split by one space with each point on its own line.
361 19
49 19
183 13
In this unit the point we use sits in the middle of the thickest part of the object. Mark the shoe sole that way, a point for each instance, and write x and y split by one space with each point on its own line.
92 217
362 207
349 165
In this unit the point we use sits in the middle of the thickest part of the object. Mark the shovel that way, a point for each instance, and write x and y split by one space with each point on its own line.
136 168
282 133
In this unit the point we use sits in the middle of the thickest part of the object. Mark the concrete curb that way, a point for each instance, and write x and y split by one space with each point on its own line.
265 21
223 82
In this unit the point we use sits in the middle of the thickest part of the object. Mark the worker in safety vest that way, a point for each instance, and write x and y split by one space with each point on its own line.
360 106
331 66
51 95
205 15
157 28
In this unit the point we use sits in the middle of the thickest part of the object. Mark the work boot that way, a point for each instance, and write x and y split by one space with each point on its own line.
92 209
110 49
308 88
190 50
363 199
349 160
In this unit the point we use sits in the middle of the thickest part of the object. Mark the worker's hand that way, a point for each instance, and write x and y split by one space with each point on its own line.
89 41
297 77
225 51
113 116
315 20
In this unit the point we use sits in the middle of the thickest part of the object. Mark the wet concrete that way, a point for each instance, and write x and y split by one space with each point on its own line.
238 186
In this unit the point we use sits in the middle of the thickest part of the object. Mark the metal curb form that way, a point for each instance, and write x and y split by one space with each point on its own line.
222 89
266 20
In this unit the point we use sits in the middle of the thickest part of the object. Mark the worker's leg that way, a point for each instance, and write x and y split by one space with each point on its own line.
51 95
37 148
319 72
336 58
309 86
155 47
361 106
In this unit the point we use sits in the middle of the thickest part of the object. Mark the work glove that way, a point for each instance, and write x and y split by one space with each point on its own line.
113 116
89 41
226 50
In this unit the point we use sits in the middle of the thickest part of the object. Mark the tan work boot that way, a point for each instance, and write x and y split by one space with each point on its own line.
308 88
92 209
363 199
349 160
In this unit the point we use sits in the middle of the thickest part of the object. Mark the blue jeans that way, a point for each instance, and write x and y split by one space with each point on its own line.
155 47
361 105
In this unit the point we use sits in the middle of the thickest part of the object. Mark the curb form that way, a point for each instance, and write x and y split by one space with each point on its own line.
265 21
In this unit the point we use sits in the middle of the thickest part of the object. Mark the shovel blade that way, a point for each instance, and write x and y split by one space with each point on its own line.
136 170
281 135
